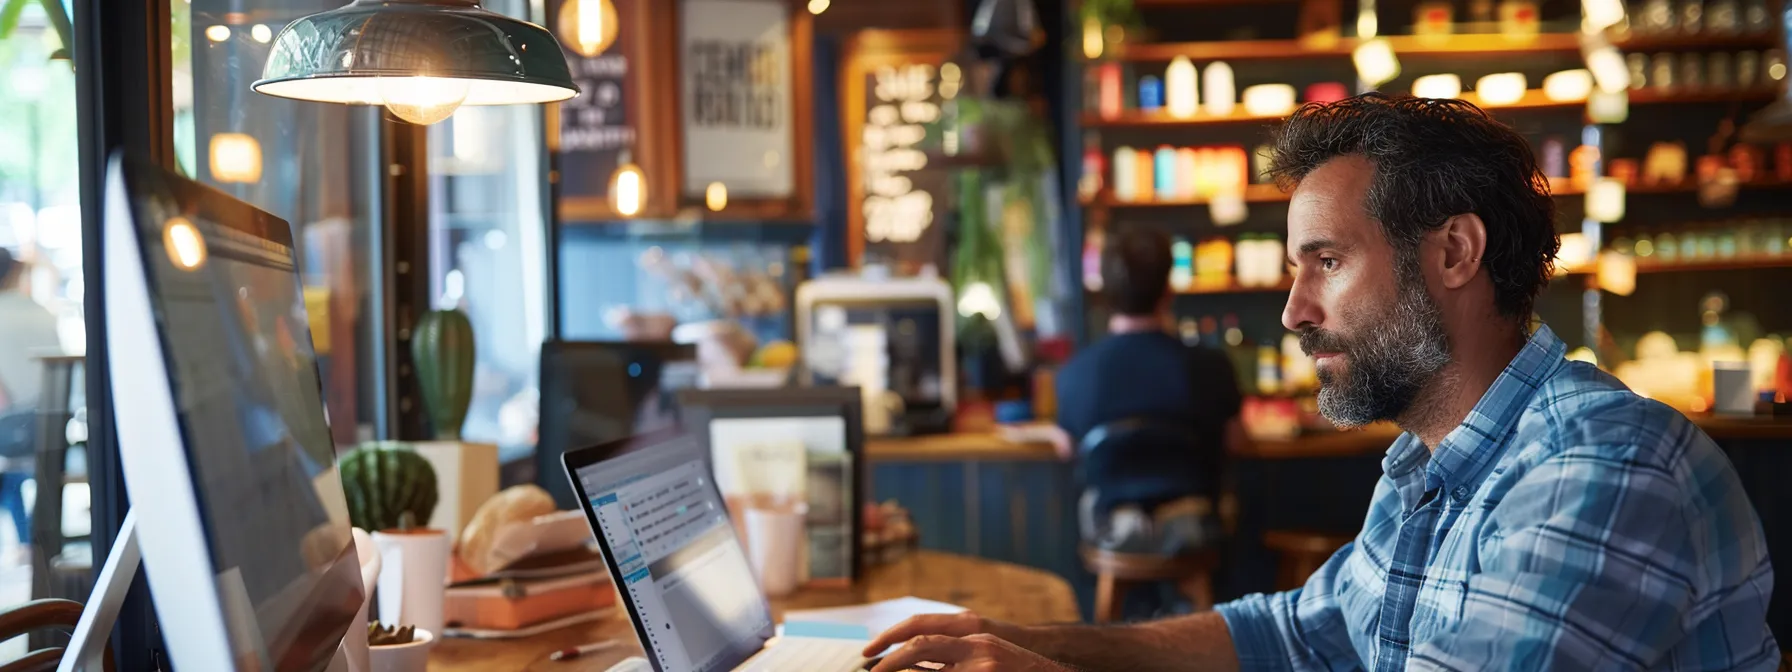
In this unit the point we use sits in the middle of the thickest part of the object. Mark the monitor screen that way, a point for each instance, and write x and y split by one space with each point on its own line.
245 382
594 392
691 591
897 337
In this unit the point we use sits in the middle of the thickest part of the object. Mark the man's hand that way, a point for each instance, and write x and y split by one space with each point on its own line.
974 653
963 624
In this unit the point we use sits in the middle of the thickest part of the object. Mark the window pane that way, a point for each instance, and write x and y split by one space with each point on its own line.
486 258
312 164
44 550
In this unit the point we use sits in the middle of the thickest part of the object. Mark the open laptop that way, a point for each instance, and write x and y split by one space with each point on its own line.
683 575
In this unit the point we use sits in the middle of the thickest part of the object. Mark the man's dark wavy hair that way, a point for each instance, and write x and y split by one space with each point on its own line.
1434 159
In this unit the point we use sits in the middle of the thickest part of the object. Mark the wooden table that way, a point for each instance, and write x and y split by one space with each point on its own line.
995 589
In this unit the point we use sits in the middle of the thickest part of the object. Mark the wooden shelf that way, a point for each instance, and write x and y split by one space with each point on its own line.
1533 99
1739 42
1286 284
1161 118
1739 263
1253 193
1404 45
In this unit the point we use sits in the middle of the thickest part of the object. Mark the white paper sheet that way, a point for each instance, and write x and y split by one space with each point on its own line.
868 619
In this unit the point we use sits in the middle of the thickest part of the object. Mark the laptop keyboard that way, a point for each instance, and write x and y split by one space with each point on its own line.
808 654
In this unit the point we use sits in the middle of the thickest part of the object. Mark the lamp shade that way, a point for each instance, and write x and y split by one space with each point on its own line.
414 52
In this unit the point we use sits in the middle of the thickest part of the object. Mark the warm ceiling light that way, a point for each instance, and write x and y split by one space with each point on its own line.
818 6
588 26
1500 89
396 53
1092 42
217 33
1568 85
261 33
716 196
1375 62
186 248
628 189
1437 86
236 158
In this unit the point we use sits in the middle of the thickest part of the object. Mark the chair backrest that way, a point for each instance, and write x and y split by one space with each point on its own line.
18 433
1147 461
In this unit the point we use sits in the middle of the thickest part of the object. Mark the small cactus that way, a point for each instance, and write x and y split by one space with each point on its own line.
390 635
442 350
388 486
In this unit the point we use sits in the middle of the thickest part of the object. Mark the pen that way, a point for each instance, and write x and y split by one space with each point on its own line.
574 652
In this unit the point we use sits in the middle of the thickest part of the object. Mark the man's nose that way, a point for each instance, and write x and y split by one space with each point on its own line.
1303 306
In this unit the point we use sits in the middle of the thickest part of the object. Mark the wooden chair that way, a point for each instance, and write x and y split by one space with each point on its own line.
39 615
1302 553
1116 573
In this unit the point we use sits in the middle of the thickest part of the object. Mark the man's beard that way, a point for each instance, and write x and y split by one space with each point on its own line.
1387 364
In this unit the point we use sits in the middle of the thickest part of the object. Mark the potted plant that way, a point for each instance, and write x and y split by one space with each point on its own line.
391 491
398 648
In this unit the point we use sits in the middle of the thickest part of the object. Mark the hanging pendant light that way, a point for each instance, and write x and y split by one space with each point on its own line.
422 59
628 187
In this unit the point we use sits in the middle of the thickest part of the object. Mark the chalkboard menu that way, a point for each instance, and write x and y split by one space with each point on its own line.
902 199
595 127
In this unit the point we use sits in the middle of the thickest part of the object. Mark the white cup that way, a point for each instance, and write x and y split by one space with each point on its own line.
412 657
1733 389
774 547
413 577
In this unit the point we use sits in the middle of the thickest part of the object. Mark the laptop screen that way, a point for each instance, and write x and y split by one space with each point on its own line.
681 569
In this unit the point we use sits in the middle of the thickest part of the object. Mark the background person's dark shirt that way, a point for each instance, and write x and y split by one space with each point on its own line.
1149 375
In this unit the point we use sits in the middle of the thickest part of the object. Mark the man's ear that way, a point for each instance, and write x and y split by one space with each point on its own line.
1463 240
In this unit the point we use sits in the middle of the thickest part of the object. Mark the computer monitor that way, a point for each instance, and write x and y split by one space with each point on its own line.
770 448
679 567
597 391
893 338
241 520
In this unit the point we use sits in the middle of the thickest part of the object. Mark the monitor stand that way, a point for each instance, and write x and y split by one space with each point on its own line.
87 647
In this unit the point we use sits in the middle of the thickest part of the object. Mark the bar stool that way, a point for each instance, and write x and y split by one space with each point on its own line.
1302 553
1117 572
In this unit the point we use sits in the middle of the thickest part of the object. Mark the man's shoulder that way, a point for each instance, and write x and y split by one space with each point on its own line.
1585 409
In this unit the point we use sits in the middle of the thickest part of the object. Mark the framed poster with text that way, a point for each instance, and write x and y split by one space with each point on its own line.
892 91
744 98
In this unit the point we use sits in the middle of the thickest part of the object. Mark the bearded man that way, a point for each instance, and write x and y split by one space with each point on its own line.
1534 515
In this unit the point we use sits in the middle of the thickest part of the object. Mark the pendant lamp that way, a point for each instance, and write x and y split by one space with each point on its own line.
422 59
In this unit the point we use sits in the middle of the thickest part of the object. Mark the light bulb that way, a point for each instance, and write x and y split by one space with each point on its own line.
261 33
716 196
235 157
1437 86
218 33
628 190
588 26
186 248
818 6
423 100
1092 42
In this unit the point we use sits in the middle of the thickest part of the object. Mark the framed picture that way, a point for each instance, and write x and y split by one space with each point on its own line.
744 93
785 447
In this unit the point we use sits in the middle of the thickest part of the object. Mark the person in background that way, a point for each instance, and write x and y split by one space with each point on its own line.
1534 515
1140 374
26 331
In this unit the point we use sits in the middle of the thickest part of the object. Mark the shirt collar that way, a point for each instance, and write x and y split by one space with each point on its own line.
1467 450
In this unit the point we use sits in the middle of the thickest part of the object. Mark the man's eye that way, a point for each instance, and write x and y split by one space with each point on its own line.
1328 263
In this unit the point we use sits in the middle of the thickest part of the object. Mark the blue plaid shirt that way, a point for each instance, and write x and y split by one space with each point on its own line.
1566 524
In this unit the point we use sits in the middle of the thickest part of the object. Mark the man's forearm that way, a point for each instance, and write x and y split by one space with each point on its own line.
1197 642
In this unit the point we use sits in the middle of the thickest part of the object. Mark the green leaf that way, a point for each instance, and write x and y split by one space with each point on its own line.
9 17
